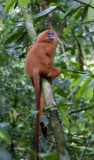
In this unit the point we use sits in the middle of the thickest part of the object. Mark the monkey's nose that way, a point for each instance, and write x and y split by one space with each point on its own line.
52 38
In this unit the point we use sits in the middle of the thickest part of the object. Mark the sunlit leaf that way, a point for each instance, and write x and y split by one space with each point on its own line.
9 4
91 11
23 3
13 37
67 12
20 125
10 114
3 135
88 94
14 114
71 24
49 156
76 83
65 121
82 89
46 11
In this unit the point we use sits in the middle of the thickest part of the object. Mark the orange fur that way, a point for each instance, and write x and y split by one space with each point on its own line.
39 63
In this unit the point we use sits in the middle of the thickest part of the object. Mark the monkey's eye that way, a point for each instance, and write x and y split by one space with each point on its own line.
50 34
53 34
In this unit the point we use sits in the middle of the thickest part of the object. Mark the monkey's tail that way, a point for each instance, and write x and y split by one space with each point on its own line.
36 79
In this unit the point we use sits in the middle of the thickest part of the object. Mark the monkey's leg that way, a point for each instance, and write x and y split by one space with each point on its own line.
53 72
50 72
32 81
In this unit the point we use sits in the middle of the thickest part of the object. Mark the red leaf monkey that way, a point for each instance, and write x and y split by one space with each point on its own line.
39 63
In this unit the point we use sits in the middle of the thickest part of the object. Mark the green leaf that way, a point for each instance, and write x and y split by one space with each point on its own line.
49 156
30 113
82 89
20 125
23 3
14 115
9 4
3 135
67 12
88 94
75 83
88 86
45 12
65 121
14 36
71 24
90 14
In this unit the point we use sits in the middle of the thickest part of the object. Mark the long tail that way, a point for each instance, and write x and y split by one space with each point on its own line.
36 79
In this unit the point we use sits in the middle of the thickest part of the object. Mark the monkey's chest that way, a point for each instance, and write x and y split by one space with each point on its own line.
43 54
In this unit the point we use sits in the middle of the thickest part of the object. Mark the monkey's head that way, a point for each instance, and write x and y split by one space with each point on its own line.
48 36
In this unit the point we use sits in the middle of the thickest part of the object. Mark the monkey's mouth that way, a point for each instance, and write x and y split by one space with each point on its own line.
51 39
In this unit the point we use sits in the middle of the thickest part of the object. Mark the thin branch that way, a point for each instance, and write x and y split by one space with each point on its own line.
80 110
61 9
63 50
51 145
22 36
84 3
66 62
81 23
80 54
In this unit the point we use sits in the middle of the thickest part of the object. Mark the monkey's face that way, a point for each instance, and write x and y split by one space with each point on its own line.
48 36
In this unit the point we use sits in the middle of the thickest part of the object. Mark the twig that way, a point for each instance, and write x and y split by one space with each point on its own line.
22 36
66 62
63 50
84 3
51 145
80 54
80 110
81 23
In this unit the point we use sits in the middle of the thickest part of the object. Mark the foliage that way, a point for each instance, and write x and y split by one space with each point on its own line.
73 89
